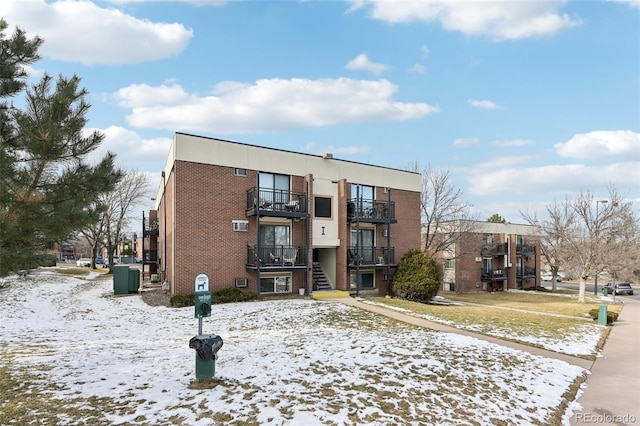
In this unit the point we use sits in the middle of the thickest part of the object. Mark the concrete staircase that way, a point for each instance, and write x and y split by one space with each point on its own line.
322 287
320 281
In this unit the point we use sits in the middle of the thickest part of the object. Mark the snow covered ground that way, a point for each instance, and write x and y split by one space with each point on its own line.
286 362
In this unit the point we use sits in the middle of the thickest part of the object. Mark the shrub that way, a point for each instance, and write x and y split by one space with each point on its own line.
226 295
417 277
230 295
611 316
182 300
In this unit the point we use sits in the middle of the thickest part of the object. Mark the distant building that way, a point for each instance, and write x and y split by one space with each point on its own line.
278 222
488 256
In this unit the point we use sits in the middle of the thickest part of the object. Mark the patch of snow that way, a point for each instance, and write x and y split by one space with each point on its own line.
283 362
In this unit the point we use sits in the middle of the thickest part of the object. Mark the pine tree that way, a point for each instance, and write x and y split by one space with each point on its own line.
47 187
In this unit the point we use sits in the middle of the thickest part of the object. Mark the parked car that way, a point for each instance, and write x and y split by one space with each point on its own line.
618 288
83 262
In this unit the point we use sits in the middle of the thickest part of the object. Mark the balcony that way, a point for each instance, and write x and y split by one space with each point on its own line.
494 274
277 257
277 203
525 249
370 257
371 211
150 256
495 249
152 228
526 272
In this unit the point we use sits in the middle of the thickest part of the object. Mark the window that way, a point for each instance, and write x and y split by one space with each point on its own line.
487 266
274 188
450 263
322 207
274 241
275 284
363 196
362 244
240 172
366 280
240 225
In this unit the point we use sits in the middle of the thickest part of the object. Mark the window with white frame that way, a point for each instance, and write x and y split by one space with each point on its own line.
449 263
240 172
277 284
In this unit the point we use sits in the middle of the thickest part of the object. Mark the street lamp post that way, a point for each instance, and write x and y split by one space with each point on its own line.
595 281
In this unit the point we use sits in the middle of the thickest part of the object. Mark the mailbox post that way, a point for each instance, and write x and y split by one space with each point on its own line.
206 345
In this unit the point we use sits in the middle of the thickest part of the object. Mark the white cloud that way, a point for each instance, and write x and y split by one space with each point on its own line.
132 150
558 180
362 62
425 51
484 104
269 105
499 20
418 69
465 142
81 31
603 144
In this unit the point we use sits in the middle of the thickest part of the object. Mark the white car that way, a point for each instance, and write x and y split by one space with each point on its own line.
83 262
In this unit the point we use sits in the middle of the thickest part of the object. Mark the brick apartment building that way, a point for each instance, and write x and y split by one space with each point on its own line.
489 256
276 222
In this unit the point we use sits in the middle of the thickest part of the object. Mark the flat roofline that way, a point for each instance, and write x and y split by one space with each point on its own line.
296 152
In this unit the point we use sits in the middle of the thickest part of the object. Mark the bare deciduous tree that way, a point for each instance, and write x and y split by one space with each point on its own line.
131 190
116 213
442 203
591 235
553 235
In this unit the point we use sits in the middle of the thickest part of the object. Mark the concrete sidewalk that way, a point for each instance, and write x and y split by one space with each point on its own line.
612 391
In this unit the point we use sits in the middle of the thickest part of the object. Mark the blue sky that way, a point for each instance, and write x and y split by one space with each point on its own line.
523 102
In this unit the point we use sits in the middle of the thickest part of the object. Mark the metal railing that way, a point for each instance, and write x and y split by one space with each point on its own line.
277 200
370 209
276 255
370 256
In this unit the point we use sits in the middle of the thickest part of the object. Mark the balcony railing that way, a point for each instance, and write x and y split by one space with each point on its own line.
367 256
370 210
525 248
494 274
526 272
495 249
281 202
276 256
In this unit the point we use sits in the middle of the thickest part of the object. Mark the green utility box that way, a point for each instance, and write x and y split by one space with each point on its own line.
602 315
134 280
121 279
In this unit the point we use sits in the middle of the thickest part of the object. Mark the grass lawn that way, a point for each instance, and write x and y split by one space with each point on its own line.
554 322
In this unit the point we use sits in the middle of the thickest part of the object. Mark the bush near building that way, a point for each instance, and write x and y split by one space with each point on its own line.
417 277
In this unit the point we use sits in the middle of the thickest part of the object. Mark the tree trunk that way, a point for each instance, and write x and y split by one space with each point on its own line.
581 290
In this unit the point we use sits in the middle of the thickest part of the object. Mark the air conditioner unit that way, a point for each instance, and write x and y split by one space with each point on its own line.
241 225
241 282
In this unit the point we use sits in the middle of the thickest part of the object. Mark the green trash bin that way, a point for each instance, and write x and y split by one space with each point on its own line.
134 280
121 279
